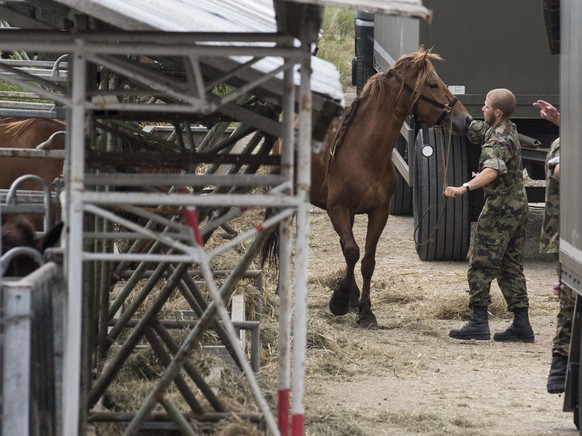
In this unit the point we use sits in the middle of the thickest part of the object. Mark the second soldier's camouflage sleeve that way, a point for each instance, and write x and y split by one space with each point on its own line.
477 131
494 155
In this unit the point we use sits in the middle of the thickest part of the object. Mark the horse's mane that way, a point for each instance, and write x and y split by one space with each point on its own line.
347 118
416 65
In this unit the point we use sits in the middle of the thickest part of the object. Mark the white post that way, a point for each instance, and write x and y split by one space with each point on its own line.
74 249
284 343
302 241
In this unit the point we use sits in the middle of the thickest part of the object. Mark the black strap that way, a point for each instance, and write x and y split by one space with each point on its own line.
446 107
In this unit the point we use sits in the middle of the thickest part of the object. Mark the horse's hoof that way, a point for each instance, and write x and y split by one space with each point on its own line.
339 303
367 321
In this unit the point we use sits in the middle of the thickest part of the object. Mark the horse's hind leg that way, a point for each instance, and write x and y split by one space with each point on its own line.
347 293
376 223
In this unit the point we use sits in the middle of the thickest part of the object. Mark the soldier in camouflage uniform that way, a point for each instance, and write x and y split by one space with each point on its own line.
550 243
500 237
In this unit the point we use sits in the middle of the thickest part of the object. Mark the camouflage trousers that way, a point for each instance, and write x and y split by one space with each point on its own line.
498 254
567 298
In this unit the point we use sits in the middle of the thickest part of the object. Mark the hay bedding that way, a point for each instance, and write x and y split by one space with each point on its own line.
408 377
143 369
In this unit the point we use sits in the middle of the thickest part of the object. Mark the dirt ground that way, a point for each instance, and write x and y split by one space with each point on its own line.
408 377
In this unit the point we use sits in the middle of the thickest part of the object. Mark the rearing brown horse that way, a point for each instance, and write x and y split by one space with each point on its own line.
354 173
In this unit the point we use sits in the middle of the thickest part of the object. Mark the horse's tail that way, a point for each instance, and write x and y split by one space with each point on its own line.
270 249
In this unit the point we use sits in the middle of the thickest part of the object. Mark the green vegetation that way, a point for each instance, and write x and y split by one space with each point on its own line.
337 42
5 86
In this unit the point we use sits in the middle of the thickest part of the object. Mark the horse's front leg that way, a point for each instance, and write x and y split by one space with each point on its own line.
376 223
347 294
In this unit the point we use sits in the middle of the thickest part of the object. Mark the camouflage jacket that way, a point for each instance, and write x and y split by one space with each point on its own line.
550 237
501 150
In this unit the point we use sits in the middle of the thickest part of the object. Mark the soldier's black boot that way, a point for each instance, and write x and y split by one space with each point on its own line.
476 328
520 329
557 376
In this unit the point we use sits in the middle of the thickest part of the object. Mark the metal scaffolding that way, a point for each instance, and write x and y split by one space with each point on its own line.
168 193
165 90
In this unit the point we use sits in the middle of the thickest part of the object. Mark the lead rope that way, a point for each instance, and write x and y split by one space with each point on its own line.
445 157
447 154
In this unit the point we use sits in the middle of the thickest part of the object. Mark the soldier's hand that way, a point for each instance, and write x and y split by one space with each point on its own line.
548 111
454 191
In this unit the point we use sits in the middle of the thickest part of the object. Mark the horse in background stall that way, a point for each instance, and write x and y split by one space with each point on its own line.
45 134
354 173
20 233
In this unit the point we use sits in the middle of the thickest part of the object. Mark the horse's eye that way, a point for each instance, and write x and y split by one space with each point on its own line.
433 85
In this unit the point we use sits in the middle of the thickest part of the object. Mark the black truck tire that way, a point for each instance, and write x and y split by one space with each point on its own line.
401 201
442 227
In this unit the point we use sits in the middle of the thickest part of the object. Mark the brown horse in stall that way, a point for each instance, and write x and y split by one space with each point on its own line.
30 134
354 174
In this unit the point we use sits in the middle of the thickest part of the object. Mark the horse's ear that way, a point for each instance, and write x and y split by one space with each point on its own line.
51 238
422 55
426 54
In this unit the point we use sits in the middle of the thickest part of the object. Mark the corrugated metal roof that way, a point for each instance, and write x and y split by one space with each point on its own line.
182 15
219 15
225 16
407 8
229 16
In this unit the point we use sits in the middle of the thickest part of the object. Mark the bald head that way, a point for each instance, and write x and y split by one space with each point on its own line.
502 99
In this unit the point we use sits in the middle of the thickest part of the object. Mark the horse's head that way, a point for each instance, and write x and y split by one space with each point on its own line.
20 234
430 99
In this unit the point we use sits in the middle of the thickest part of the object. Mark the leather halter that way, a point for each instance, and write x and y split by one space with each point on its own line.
447 108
